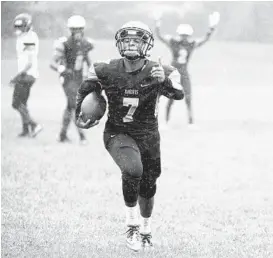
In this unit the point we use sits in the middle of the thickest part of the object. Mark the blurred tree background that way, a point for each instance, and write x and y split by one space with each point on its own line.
242 21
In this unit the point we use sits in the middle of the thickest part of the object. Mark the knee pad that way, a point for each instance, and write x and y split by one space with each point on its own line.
130 187
132 166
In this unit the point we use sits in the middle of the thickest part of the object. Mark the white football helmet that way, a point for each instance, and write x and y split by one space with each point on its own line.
134 30
184 29
76 22
22 23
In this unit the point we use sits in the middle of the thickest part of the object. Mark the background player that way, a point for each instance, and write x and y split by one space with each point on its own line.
182 47
133 85
27 46
70 57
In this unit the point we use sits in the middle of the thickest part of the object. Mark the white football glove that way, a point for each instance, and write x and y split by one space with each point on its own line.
214 19
61 68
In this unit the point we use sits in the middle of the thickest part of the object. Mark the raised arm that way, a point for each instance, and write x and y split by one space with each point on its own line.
202 41
165 39
214 19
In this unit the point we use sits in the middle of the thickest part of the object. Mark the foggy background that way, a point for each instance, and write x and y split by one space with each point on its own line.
240 21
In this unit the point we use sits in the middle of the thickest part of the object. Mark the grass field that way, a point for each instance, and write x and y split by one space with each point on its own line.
215 194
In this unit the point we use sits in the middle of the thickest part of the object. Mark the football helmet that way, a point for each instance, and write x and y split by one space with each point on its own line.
140 34
184 29
76 25
76 22
22 23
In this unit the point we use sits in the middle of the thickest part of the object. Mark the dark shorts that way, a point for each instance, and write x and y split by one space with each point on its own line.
22 90
145 149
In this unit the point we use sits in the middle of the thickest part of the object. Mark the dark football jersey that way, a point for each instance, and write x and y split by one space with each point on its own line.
133 98
74 53
181 52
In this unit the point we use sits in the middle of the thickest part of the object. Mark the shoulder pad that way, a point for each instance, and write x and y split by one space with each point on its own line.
59 43
103 68
176 39
62 39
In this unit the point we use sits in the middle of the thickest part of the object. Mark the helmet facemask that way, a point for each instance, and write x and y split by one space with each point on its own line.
77 33
134 43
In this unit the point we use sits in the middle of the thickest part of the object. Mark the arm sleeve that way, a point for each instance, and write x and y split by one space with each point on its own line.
200 42
58 53
165 39
171 87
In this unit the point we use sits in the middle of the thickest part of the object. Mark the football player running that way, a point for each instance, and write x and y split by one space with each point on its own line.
27 46
70 56
182 47
133 85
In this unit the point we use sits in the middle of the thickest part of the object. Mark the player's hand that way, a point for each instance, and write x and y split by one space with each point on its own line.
65 72
12 82
158 72
17 78
85 124
214 19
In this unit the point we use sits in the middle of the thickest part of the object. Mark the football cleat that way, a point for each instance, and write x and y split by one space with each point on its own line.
146 241
63 138
23 134
35 130
133 238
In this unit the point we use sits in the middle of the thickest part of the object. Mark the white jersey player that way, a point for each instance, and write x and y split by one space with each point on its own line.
27 46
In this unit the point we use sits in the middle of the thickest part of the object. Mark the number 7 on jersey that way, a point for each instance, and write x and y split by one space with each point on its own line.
132 103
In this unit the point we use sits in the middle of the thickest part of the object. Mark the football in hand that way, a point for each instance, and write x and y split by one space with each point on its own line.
93 107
